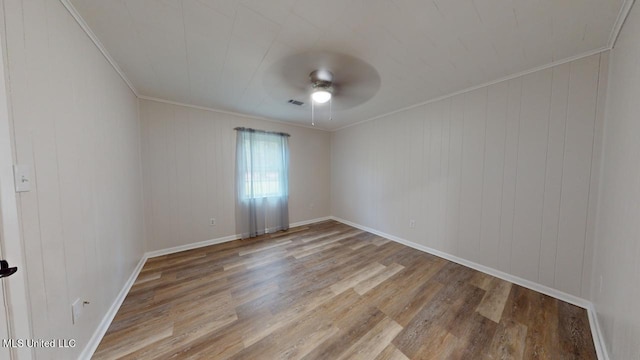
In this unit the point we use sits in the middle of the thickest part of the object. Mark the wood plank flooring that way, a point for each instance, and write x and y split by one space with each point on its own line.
329 291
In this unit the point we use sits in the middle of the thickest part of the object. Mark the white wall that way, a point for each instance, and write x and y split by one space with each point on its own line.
616 275
76 122
504 176
189 170
499 176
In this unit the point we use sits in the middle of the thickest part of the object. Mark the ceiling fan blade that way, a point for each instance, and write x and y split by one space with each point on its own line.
355 92
355 81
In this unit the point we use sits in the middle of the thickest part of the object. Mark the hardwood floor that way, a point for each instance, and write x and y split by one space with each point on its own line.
329 291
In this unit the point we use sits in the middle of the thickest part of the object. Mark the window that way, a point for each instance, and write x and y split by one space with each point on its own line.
262 167
265 176
262 184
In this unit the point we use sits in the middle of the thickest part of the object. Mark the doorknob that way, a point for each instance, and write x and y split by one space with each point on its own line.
5 270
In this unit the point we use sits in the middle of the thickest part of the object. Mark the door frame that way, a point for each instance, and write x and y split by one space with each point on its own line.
16 291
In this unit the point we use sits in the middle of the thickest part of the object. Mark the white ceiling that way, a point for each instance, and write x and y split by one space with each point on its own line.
214 53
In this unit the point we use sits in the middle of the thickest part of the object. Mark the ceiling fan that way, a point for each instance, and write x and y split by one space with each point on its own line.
317 77
322 84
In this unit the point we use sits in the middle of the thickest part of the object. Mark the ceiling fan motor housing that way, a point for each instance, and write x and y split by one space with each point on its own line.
322 80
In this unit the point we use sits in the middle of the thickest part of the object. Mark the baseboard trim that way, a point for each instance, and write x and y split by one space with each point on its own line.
596 332
176 249
307 222
560 295
485 269
93 343
598 340
98 334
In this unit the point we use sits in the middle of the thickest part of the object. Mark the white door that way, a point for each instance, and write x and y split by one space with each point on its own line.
14 308
4 323
4 329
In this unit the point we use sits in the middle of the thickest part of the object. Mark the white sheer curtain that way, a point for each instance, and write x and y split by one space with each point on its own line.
262 182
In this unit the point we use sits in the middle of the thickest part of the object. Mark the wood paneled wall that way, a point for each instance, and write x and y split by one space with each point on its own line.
189 171
499 176
76 123
615 284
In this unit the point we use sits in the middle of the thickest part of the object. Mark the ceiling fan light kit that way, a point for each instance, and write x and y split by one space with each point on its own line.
321 83
321 96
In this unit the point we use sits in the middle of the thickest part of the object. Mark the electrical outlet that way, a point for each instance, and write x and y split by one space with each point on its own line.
600 285
76 310
412 223
212 222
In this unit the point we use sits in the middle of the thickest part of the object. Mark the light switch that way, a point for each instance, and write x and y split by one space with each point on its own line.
22 175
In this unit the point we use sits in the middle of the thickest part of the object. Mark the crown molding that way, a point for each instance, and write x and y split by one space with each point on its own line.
246 116
94 38
617 26
488 83
76 15
613 37
615 32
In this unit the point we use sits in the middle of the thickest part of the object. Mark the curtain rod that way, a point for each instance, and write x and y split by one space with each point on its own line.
261 131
